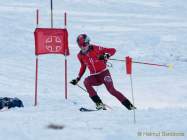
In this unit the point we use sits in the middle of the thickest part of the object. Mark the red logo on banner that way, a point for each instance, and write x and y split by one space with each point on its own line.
49 40
53 44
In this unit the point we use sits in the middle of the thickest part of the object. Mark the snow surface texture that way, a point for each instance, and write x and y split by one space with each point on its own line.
147 30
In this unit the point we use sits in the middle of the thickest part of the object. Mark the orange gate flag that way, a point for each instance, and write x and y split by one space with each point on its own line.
51 41
128 65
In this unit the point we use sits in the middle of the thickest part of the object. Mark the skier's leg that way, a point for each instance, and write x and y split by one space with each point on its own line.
89 82
110 87
107 80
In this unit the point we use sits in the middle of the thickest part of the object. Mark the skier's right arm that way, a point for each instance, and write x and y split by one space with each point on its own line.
81 72
82 68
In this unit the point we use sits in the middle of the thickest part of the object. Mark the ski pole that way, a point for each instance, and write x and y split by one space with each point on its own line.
160 65
145 63
82 88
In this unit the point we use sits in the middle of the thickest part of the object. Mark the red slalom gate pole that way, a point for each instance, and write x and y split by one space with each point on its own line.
36 76
129 61
65 61
132 93
36 83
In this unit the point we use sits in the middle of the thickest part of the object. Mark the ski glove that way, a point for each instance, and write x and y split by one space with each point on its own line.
104 56
75 81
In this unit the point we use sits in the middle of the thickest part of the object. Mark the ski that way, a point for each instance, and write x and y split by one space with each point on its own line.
83 109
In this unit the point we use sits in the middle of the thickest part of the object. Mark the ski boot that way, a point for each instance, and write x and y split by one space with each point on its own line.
98 102
128 104
100 106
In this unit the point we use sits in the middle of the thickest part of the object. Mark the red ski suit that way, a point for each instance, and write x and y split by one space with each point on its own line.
90 59
99 73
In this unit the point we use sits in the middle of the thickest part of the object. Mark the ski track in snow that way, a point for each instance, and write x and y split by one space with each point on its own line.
149 31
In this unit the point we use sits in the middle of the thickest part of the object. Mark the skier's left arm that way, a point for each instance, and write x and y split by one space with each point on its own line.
105 53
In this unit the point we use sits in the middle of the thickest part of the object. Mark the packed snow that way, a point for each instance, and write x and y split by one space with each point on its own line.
149 31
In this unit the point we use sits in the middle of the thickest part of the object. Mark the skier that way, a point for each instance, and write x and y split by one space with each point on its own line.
95 57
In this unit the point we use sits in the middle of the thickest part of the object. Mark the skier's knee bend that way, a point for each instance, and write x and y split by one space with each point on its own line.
86 82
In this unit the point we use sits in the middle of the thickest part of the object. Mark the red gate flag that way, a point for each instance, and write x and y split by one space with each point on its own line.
51 40
129 65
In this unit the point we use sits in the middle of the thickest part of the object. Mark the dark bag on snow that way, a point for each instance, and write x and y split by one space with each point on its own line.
10 102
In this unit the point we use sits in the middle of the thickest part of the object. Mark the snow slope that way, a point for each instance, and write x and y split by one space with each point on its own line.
151 31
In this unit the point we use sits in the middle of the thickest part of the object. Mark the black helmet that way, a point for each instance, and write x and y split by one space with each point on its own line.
83 40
